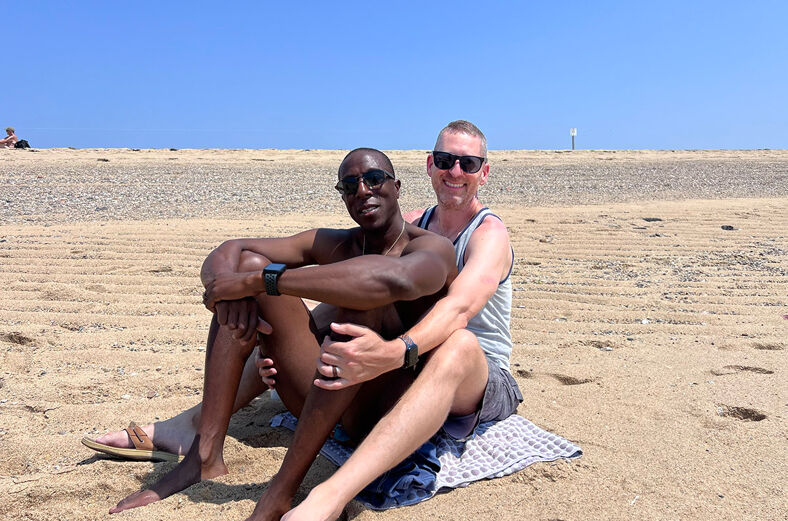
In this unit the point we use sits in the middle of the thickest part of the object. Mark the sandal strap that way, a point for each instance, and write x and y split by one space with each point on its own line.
138 437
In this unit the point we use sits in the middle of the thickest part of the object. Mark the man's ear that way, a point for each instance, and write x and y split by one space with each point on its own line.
484 173
397 184
430 163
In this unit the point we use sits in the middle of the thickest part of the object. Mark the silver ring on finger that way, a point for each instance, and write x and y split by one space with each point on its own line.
335 370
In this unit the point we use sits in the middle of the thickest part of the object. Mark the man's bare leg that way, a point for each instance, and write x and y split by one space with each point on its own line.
452 381
318 417
296 349
322 410
176 434
225 360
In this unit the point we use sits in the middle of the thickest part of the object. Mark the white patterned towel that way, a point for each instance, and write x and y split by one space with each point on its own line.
496 449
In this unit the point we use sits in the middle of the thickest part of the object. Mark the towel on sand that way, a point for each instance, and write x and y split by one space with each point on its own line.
496 449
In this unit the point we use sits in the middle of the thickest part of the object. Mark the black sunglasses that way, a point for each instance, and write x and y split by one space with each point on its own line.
372 178
468 164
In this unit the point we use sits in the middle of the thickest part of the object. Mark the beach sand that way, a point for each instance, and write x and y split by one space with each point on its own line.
644 331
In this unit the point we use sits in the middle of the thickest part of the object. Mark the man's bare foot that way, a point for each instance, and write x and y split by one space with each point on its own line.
188 472
174 435
319 505
272 505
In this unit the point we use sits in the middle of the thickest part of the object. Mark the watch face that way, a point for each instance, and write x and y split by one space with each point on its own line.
411 354
275 268
271 275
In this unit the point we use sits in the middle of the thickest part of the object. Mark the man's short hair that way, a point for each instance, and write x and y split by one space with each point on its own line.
463 127
371 151
9 128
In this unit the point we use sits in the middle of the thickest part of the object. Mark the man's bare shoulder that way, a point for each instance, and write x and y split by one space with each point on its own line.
334 234
493 226
414 215
490 238
333 244
433 249
489 245
421 239
492 222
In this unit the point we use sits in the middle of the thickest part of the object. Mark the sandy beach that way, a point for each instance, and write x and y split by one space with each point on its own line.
650 321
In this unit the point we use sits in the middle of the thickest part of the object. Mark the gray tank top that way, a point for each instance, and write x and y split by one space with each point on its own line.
491 324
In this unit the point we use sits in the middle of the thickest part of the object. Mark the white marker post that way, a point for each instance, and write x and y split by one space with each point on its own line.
573 133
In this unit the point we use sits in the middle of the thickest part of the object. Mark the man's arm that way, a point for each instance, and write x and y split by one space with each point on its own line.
368 355
486 264
242 314
361 283
371 281
296 250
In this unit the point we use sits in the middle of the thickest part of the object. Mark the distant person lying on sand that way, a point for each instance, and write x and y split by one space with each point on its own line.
9 141
472 321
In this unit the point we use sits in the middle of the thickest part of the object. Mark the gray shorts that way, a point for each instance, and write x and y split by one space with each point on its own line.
501 398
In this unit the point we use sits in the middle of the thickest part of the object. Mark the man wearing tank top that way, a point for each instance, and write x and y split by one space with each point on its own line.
473 318
475 313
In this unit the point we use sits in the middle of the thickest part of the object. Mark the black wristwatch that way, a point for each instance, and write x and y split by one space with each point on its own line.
411 352
271 275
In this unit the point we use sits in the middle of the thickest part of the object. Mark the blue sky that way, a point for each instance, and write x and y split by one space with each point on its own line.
670 74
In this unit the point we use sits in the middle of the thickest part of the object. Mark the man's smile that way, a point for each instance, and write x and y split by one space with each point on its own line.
368 209
453 185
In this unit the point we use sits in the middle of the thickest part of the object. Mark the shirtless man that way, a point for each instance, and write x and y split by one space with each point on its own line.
384 274
9 141
478 302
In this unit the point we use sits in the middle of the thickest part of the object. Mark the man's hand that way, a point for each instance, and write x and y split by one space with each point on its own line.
232 286
265 368
242 317
365 357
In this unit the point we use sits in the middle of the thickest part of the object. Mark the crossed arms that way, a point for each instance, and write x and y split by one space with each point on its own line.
328 270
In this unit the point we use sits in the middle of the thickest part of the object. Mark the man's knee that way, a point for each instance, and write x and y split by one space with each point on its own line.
251 261
461 343
459 353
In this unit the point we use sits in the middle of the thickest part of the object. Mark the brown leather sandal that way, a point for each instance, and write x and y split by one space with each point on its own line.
143 450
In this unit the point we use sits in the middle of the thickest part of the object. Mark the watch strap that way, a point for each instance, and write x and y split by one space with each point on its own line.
270 280
271 274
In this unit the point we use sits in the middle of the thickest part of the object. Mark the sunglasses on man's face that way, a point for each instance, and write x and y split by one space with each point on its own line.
372 178
468 164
